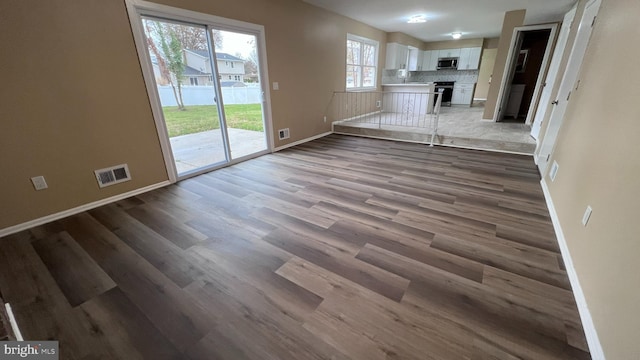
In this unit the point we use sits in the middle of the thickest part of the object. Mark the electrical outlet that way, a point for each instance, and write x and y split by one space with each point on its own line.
378 103
554 171
39 183
276 86
586 216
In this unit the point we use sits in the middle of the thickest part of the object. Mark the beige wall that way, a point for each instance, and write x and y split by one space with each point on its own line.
404 39
512 19
453 44
491 43
74 98
73 101
598 153
484 74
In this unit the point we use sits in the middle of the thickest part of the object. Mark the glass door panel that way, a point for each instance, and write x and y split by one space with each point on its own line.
242 95
184 76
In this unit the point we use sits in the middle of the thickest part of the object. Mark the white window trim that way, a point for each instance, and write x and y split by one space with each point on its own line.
376 45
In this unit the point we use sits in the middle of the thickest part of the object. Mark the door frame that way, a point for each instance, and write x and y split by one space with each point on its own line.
546 148
509 69
138 8
552 73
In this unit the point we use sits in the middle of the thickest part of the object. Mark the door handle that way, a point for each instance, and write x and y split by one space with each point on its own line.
554 102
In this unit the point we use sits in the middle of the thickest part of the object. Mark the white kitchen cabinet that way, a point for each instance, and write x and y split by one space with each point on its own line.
430 60
426 59
469 58
462 94
415 59
397 55
449 53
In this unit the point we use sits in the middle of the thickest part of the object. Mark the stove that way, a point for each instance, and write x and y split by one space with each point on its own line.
447 86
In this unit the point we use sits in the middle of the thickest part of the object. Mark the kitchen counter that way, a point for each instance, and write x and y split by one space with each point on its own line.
419 97
410 85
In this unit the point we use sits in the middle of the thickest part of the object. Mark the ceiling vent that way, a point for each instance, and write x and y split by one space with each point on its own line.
113 175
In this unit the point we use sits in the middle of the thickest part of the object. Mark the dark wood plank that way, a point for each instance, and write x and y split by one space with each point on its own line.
371 277
77 275
163 254
167 226
179 317
126 328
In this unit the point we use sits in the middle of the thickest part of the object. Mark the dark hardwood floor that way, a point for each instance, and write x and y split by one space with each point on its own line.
341 248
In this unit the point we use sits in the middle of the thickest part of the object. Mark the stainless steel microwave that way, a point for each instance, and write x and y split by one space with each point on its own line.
447 63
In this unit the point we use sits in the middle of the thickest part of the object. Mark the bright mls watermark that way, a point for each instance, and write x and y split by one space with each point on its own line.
45 350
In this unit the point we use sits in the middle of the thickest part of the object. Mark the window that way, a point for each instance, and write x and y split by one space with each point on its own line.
362 62
193 80
232 64
237 77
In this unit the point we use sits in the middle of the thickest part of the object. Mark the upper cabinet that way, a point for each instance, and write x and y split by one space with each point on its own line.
397 55
430 60
402 57
415 59
449 53
469 58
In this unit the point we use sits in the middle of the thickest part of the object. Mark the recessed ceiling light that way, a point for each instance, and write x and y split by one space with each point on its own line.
456 35
417 19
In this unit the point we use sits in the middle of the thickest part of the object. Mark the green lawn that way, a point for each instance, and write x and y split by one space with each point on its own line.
205 117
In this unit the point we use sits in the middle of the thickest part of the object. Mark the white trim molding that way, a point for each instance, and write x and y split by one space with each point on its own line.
595 348
13 322
76 210
302 141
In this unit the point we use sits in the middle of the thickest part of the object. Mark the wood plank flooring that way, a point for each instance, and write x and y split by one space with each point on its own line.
341 248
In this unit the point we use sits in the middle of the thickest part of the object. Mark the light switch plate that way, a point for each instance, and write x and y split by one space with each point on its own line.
554 171
39 183
276 86
586 216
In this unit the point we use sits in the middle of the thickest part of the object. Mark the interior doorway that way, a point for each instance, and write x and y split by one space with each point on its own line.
205 77
527 63
552 74
568 84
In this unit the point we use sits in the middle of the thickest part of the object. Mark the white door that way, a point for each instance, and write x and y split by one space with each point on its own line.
545 98
568 83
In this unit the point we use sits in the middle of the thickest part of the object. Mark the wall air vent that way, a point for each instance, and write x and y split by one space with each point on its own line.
113 175
283 134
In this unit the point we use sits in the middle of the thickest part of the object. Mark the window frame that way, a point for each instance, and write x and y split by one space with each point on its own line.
363 41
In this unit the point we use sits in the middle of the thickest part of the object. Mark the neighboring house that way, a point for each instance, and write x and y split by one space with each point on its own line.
198 68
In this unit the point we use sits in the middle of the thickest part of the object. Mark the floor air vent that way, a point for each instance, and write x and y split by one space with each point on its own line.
113 175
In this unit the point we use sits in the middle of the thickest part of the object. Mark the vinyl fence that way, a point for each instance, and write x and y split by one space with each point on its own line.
204 95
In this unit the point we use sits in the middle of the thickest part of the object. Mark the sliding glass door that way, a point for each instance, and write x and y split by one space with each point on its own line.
241 89
208 86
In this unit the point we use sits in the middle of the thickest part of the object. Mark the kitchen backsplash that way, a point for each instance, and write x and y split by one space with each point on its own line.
462 76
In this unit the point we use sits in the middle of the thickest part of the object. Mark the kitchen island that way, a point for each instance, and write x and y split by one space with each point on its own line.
417 98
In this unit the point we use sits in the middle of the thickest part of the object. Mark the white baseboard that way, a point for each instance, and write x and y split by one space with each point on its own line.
302 141
13 323
76 210
587 322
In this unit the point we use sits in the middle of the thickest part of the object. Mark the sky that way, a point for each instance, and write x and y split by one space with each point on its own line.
233 43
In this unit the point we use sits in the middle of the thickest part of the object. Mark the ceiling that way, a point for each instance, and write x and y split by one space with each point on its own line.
473 18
